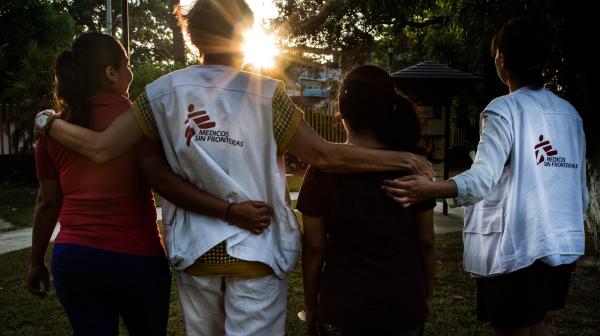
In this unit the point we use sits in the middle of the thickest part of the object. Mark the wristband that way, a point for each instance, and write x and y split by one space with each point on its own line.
43 120
50 121
227 213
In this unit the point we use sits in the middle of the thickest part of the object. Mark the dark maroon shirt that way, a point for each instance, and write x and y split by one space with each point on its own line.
373 275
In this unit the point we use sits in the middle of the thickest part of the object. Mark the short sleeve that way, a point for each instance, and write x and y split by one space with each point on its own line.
424 205
286 118
148 148
44 166
313 198
144 116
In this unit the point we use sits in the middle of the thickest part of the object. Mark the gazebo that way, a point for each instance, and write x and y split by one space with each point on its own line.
432 87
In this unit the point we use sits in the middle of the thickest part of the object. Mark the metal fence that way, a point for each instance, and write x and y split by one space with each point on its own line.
16 127
457 136
321 117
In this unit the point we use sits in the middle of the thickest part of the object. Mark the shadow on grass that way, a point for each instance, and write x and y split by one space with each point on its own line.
16 206
454 301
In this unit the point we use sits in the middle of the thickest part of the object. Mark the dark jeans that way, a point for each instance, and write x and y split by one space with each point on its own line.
96 286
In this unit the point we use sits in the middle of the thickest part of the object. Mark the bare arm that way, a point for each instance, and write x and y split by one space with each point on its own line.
310 147
103 146
472 185
313 256
409 190
253 216
425 240
47 209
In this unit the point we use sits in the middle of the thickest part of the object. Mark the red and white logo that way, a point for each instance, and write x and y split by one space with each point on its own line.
200 119
543 150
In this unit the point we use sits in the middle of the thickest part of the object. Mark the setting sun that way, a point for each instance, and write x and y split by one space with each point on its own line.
259 48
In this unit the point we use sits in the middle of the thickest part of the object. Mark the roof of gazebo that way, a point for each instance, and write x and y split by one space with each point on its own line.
430 80
430 71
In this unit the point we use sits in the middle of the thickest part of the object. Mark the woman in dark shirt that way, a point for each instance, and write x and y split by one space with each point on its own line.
368 264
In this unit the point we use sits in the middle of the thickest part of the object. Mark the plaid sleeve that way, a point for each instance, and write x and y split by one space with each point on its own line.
143 114
286 118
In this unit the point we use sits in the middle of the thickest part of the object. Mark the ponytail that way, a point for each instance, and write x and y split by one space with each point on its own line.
368 102
400 127
72 96
79 74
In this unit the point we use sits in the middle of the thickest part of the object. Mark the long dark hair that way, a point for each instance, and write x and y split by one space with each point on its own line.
369 102
79 74
525 47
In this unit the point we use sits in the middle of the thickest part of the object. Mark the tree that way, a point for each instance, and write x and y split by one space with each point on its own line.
154 34
350 30
32 32
453 32
45 27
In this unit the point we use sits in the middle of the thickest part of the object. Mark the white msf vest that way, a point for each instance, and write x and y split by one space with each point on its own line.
536 211
216 126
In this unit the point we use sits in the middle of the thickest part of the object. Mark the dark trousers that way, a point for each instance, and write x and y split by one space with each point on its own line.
96 286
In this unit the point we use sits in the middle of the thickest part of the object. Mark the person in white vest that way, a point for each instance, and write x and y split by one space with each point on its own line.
525 193
226 131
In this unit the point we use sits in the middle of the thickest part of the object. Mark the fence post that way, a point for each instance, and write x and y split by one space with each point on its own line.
3 118
1 129
11 117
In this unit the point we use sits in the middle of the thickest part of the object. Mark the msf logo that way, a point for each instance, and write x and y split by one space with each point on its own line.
543 149
200 119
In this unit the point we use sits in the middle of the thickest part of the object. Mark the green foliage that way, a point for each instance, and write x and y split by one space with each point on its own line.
31 32
592 219
453 32
145 74
350 29
31 85
150 25
151 35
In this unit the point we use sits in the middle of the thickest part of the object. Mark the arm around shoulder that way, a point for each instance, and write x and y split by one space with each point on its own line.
331 157
103 146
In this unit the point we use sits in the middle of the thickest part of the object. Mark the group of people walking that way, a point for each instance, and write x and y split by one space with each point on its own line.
210 140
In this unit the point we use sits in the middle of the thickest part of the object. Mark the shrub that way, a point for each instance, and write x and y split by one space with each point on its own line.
592 220
145 74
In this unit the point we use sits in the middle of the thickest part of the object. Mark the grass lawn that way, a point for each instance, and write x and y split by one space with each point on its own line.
16 206
454 301
454 310
295 181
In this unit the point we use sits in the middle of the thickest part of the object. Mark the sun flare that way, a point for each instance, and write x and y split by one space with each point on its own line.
259 48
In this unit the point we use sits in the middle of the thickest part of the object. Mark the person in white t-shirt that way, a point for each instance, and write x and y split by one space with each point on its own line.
226 131
526 191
